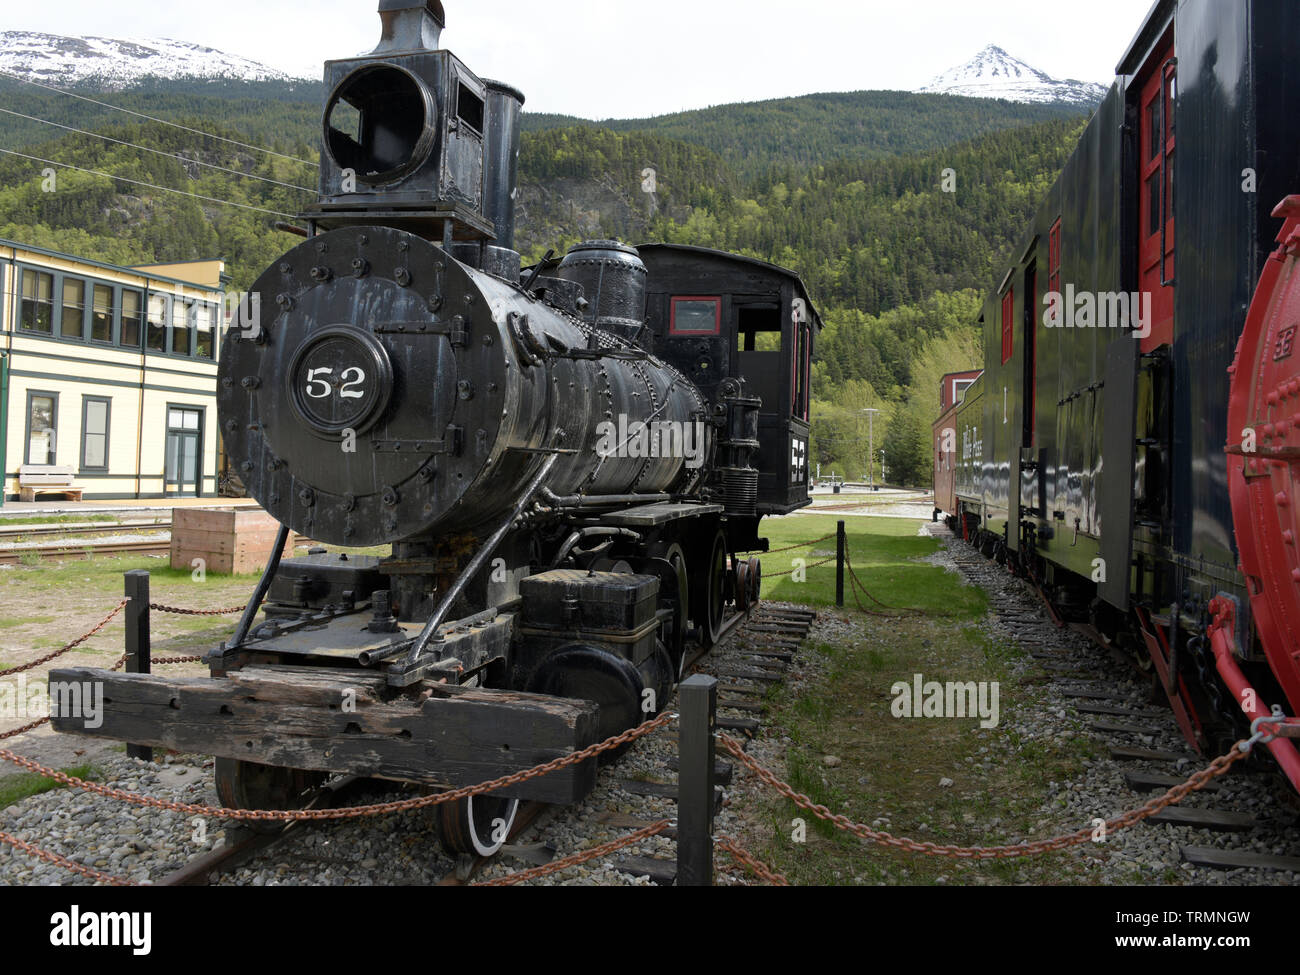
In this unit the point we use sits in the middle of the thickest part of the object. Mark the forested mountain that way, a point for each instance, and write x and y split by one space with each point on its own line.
895 248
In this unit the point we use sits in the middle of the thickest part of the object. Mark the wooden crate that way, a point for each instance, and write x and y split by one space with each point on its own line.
227 539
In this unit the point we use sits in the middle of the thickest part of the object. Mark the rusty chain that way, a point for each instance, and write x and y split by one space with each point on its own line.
778 575
196 612
62 861
1198 780
582 856
773 551
351 812
75 643
747 859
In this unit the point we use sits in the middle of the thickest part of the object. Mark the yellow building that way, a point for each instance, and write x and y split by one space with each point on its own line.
108 376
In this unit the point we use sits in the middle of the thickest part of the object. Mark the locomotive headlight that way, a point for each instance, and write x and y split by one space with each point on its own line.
339 379
380 123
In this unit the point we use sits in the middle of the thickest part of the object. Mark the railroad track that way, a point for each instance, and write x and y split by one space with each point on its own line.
161 546
753 655
1140 736
78 529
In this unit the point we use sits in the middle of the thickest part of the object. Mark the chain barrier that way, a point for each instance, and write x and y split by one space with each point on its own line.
790 548
778 575
555 866
351 812
196 612
75 643
1197 781
62 861
747 859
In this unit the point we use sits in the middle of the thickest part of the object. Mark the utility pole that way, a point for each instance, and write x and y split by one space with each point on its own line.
871 445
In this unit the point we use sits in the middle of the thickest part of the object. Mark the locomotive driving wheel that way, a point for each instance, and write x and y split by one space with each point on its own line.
710 590
249 785
477 824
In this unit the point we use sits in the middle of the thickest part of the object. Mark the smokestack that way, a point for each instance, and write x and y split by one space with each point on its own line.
410 25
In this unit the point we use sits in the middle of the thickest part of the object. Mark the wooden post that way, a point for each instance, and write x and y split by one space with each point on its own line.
839 564
698 700
137 639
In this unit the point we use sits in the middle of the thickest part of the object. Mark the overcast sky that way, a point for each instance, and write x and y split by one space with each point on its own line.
632 58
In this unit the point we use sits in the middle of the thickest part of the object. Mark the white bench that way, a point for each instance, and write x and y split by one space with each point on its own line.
34 479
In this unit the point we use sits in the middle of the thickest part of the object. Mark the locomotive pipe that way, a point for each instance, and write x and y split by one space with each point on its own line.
1223 643
578 536
595 500
263 584
476 563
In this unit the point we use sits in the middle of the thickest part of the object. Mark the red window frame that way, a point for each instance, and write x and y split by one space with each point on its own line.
717 314
1008 324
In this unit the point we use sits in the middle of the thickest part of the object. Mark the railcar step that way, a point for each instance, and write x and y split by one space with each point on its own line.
1204 818
1209 856
1146 755
661 872
1157 782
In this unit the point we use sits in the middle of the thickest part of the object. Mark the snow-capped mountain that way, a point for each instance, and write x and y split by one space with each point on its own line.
993 73
118 62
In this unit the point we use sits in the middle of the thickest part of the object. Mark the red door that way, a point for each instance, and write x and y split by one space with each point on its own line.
1156 195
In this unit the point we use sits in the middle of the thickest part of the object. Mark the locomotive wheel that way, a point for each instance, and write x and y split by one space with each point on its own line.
249 785
710 593
755 580
477 824
741 572
597 675
676 649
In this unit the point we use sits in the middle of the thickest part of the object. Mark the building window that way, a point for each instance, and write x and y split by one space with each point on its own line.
183 458
156 334
101 316
42 423
72 319
1008 331
94 433
207 328
129 335
37 314
696 316
183 322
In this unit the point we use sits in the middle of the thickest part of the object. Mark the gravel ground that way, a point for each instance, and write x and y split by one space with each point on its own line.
146 844
1143 853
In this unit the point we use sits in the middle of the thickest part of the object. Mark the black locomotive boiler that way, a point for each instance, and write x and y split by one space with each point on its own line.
1131 445
565 460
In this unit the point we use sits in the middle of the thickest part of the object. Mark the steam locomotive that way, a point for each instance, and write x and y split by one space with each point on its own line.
565 460
1115 449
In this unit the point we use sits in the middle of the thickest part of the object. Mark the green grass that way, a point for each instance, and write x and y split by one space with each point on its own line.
10 622
883 552
14 788
19 521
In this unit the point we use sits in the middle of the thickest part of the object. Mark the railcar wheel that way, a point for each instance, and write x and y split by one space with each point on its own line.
741 572
755 580
477 824
710 594
250 785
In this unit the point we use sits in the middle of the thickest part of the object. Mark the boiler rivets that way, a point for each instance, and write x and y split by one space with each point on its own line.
390 496
307 496
465 389
349 502
360 266
402 276
435 302
284 267
285 301
321 273
250 382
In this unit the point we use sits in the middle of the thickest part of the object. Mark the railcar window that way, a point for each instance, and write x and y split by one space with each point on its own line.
469 108
696 316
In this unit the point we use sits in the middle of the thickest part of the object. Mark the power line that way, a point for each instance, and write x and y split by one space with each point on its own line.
151 118
160 152
152 186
